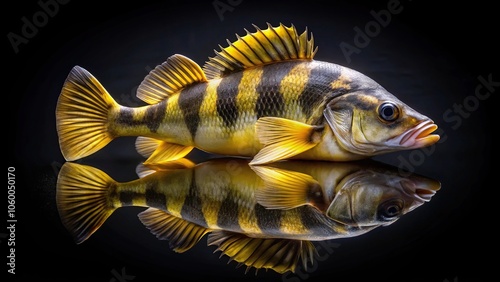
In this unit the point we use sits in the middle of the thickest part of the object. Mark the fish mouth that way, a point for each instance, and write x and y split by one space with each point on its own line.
421 189
424 194
419 136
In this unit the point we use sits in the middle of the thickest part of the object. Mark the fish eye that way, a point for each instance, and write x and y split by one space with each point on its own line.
390 210
388 111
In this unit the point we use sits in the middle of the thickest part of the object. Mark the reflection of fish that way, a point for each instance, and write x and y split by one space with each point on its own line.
367 195
227 199
262 96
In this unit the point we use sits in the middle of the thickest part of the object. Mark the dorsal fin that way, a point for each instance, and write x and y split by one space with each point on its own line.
174 74
279 254
262 47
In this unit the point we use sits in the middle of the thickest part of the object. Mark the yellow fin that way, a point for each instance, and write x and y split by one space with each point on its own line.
142 170
82 115
273 44
167 152
166 79
145 146
181 234
288 189
283 138
82 199
280 255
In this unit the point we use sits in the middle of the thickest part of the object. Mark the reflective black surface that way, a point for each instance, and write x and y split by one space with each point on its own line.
438 60
263 217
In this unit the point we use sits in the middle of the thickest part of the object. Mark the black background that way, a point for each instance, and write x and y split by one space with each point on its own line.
428 55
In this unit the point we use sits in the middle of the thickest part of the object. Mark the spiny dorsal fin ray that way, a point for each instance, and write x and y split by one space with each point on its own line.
262 47
166 79
280 255
181 234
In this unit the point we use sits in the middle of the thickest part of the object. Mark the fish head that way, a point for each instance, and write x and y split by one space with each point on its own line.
371 121
371 198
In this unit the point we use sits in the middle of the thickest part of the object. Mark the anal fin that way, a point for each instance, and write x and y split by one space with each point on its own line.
82 198
284 138
159 152
143 170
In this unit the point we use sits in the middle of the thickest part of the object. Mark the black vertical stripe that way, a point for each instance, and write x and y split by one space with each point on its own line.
314 221
268 219
317 86
153 198
270 101
191 209
126 117
154 115
126 198
226 98
227 217
190 101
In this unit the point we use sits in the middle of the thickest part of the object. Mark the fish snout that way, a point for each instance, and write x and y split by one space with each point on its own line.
419 136
421 188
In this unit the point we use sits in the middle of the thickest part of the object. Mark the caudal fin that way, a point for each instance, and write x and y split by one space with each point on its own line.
82 199
82 115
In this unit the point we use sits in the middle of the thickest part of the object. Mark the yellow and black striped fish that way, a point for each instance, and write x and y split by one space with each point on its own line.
261 216
263 96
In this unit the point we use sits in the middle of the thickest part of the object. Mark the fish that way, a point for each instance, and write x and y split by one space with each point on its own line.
264 217
264 97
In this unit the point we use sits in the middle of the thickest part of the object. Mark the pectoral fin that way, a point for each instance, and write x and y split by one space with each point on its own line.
281 255
288 189
284 138
182 235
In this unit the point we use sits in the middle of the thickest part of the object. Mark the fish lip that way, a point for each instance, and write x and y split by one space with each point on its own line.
419 136
418 190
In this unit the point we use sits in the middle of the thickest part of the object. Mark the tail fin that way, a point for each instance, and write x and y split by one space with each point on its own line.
82 115
82 199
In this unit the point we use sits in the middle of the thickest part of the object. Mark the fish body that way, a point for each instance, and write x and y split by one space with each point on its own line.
216 195
263 96
263 216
